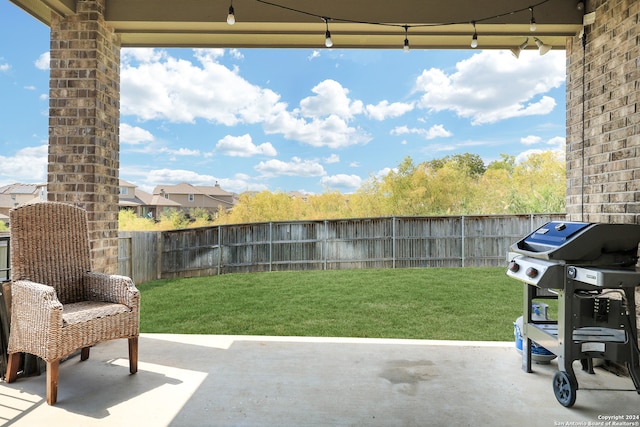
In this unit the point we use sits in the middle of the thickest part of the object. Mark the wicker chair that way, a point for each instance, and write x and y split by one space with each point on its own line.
58 305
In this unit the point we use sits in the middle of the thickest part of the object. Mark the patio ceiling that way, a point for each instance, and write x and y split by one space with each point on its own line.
432 24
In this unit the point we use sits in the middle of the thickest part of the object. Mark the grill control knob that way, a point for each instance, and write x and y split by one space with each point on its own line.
514 267
572 272
531 272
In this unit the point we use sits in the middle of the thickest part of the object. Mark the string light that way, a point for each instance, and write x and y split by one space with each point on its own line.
580 5
405 48
474 39
231 17
532 23
327 35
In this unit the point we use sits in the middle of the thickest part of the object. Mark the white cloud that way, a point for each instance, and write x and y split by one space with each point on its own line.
558 141
530 140
180 152
30 87
243 146
345 181
383 110
176 176
179 91
28 165
134 135
560 154
156 86
142 54
42 63
295 167
332 132
384 172
4 67
330 100
314 54
333 158
492 86
236 54
435 131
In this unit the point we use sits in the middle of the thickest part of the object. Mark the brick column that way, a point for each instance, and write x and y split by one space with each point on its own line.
84 117
603 174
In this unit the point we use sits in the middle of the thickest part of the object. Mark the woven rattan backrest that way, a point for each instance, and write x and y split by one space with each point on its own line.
50 245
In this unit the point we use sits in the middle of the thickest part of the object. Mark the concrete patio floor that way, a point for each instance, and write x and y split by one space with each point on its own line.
196 380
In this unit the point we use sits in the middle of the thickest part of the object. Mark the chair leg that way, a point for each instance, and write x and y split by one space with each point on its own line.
84 353
53 368
12 367
133 355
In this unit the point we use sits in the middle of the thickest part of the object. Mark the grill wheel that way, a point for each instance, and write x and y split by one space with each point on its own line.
564 388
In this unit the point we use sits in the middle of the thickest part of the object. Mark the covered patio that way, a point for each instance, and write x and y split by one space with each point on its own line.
228 380
196 380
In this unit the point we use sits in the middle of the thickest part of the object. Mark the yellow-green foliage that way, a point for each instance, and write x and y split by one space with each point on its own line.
129 221
453 185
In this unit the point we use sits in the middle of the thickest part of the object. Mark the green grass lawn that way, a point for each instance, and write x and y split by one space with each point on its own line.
430 303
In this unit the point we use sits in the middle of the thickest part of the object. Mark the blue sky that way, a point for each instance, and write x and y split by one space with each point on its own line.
289 120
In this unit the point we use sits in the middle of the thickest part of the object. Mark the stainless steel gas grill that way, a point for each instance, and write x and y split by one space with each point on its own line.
591 270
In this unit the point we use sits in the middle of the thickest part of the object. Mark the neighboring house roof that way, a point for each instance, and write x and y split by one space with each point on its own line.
123 183
142 198
185 188
14 194
19 188
213 192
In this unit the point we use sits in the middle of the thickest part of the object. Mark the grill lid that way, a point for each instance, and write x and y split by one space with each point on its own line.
554 234
580 242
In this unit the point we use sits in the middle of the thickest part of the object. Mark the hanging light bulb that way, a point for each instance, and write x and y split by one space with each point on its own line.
532 23
580 5
405 48
474 39
231 17
327 35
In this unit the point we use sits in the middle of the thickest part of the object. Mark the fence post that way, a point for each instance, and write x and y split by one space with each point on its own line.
219 249
463 240
270 246
393 242
159 249
530 221
324 244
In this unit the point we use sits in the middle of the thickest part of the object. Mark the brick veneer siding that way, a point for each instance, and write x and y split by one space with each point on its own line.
84 117
607 190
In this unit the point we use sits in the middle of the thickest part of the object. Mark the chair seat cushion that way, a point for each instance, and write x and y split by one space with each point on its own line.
85 311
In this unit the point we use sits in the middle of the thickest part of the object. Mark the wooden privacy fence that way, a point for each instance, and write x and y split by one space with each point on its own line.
390 242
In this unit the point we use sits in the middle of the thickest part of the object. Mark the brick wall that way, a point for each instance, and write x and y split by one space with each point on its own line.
84 123
603 172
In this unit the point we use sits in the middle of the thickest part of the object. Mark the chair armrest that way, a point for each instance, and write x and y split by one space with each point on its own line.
112 288
35 311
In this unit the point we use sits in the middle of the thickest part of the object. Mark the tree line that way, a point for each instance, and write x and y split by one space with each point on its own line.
459 184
